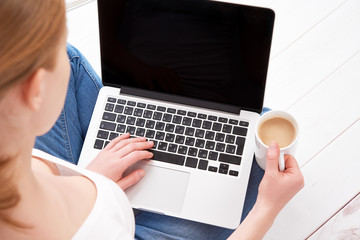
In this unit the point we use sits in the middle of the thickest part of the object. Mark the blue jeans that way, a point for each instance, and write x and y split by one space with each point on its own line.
66 138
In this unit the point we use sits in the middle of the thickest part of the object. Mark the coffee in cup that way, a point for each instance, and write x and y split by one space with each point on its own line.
279 127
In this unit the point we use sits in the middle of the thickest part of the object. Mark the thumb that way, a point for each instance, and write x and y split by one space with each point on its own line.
131 179
272 157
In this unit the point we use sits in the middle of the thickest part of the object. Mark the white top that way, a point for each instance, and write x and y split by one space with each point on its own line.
112 216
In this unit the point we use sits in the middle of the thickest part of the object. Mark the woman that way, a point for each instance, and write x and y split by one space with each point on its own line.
43 197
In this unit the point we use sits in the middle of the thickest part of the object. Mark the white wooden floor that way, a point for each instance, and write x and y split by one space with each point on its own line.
314 73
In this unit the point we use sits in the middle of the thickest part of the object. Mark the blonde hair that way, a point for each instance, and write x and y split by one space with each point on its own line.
30 32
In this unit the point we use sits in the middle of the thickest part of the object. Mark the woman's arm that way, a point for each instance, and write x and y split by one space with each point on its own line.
275 191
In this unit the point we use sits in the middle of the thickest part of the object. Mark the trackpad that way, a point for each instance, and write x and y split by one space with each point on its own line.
160 190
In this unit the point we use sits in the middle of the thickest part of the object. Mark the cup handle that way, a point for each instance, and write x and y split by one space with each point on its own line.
281 162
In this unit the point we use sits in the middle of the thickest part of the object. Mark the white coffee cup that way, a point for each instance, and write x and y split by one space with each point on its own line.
278 126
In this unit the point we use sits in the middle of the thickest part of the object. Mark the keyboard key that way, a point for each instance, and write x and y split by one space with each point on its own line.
171 110
230 149
162 146
121 128
160 126
210 145
223 171
233 121
150 106
157 116
212 118
206 125
109 107
191 162
140 132
169 127
168 157
119 108
227 128
131 130
244 124
169 137
102 134
220 147
229 159
159 135
150 124
230 139
167 117
161 109
140 122
189 131
131 103
150 133
217 126
148 114
113 135
141 105
121 118
181 112
182 149
179 139
224 166
223 120
202 116
233 173
209 135
203 164
193 151
240 131
186 121
200 143
190 141
203 153
130 120
111 99
177 119
107 125
212 169
172 147
109 116
199 133
219 137
128 110
240 142
121 101
106 143
138 112
99 144
191 114
155 144
196 123
179 129
213 155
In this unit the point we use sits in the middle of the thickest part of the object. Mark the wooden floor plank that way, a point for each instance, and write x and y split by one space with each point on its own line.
328 110
344 225
331 179
314 57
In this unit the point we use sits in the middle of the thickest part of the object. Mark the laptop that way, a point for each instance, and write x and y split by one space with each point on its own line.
189 75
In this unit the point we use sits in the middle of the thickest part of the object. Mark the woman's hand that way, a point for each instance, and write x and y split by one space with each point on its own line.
275 191
277 188
119 155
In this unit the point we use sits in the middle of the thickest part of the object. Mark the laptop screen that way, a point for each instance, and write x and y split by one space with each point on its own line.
203 50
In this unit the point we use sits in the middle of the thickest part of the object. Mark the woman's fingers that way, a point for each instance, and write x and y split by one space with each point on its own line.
131 179
134 146
115 141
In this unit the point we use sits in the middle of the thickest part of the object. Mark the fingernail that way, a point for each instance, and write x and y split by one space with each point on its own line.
141 173
272 146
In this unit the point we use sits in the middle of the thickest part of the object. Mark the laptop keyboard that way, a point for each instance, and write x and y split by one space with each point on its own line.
180 137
